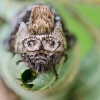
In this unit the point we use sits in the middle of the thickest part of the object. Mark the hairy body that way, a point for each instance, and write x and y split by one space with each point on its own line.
39 38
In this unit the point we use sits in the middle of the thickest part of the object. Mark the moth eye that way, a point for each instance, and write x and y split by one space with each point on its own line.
32 44
50 44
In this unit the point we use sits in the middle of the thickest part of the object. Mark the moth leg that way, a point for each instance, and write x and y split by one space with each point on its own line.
55 72
19 61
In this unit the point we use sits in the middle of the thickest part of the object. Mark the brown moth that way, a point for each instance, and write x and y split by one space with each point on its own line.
39 38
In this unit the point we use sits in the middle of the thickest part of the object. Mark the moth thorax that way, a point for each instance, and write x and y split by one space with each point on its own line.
41 20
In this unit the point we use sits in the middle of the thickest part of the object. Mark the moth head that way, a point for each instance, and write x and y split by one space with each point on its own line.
26 42
40 52
40 46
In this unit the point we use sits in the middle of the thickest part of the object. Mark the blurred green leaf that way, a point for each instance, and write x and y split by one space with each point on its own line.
75 82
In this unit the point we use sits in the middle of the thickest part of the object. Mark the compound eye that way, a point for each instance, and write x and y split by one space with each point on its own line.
53 43
32 44
50 44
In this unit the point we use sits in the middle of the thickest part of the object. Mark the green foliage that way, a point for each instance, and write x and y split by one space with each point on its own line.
78 77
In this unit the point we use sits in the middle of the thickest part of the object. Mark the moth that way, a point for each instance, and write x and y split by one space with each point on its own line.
39 37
